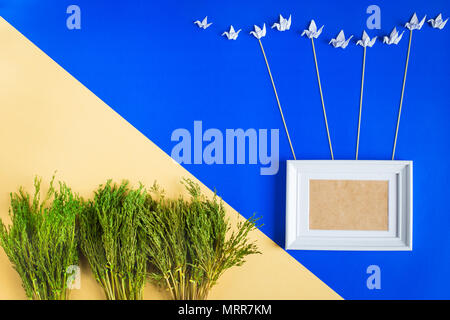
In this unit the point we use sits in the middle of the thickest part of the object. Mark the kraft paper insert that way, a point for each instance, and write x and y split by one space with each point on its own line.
348 205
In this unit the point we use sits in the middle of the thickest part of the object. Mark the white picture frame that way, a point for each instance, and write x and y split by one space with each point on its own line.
399 175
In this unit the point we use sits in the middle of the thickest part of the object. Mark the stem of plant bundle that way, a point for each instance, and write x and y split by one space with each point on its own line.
360 102
169 287
402 95
278 100
321 98
204 293
122 290
174 287
108 285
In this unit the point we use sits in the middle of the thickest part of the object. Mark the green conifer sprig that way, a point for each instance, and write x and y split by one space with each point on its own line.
41 241
110 240
191 244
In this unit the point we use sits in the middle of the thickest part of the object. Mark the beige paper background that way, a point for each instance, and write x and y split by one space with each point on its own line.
49 121
348 205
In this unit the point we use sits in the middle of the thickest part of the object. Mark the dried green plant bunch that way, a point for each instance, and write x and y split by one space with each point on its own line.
190 243
41 241
110 240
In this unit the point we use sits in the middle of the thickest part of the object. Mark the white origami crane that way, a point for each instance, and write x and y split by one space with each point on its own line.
284 24
394 37
312 31
414 23
339 41
259 33
365 41
231 35
204 24
438 23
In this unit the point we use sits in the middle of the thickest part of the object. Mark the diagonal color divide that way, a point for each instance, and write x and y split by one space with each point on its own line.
50 121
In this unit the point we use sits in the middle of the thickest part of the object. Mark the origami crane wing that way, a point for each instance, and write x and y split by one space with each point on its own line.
399 37
288 26
341 36
345 44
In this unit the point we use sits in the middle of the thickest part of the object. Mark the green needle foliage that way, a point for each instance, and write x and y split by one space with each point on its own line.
110 240
41 241
190 243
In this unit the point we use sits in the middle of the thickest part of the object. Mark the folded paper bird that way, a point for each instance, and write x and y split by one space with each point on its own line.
231 35
366 41
312 31
203 24
414 23
394 37
438 23
283 25
259 33
339 41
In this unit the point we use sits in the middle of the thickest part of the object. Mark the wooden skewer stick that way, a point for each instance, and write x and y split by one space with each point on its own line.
360 102
321 97
278 100
403 93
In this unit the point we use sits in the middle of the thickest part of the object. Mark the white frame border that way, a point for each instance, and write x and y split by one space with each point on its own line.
399 234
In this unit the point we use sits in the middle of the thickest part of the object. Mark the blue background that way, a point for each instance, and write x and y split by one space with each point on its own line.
160 72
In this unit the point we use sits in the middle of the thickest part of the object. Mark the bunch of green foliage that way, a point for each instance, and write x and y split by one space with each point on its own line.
41 241
110 240
190 243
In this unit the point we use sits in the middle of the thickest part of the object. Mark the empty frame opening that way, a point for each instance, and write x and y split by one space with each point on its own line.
348 205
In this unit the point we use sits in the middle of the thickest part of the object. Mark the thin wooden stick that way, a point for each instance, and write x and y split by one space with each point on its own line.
321 97
360 102
278 100
403 93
